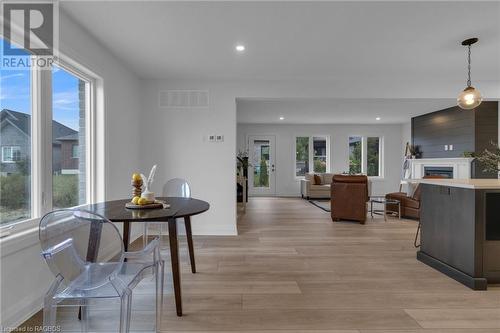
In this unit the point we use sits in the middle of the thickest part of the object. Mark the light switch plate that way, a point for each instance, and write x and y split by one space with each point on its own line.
451 147
219 138
445 147
211 138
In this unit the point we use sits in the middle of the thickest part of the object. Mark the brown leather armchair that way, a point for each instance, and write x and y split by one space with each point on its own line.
410 206
349 197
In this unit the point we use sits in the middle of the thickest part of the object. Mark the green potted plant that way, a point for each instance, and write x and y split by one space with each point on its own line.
242 163
490 158
414 151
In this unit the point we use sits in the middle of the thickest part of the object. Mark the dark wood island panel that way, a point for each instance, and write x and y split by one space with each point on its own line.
461 232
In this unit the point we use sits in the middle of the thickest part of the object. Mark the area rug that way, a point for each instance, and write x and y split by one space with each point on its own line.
321 204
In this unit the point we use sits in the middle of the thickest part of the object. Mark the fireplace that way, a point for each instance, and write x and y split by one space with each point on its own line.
445 172
453 167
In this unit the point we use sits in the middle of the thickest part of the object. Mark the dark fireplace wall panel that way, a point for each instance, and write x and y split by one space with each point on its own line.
466 130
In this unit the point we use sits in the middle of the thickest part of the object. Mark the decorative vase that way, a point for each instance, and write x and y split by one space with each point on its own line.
137 185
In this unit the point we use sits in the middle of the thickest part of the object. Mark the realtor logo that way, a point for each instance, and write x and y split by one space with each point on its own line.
29 29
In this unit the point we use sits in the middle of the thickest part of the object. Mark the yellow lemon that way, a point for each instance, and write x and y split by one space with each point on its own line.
142 201
136 177
135 200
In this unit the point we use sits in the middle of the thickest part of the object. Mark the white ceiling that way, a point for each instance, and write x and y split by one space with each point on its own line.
297 40
335 111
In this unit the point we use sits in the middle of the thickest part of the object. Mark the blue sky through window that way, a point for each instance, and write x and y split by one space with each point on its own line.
15 94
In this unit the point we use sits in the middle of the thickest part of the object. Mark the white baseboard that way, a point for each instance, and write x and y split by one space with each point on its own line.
18 313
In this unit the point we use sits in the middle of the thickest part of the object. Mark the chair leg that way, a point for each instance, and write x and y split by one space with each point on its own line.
84 308
125 308
416 236
160 269
163 230
145 235
49 315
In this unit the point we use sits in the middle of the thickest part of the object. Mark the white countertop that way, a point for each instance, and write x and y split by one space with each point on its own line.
476 184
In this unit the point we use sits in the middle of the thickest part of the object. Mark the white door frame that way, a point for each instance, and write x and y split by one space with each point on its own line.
262 191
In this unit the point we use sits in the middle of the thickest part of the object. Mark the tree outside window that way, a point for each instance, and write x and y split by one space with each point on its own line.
311 154
301 156
69 113
373 156
355 162
261 163
320 154
15 136
364 155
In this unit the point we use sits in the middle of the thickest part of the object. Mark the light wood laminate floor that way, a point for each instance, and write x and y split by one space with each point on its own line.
291 269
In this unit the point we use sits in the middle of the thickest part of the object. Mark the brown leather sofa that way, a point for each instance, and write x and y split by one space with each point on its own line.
410 206
349 197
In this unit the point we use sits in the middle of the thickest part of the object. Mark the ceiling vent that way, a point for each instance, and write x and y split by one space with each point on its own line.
183 99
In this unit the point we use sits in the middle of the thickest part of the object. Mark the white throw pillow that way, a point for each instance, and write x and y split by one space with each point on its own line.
412 187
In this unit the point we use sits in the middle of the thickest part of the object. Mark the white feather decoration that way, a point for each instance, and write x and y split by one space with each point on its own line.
150 177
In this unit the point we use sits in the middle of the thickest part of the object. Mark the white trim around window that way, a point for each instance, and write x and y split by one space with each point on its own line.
364 155
311 153
41 144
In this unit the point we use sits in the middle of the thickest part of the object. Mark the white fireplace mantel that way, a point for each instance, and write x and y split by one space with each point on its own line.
462 166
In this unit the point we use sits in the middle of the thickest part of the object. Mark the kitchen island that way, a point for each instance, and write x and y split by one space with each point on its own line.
460 233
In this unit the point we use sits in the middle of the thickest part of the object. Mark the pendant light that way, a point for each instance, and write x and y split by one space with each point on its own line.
470 97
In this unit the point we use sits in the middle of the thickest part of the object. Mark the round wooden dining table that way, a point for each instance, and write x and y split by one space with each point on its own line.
116 211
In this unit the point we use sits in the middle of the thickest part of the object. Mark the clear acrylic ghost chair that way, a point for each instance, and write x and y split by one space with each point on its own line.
85 253
176 187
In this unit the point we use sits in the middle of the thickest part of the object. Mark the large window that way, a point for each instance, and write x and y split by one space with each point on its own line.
320 154
301 156
311 154
355 162
365 155
373 156
68 132
15 138
45 151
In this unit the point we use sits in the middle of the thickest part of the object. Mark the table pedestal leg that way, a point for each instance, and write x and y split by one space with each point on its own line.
174 256
189 236
126 235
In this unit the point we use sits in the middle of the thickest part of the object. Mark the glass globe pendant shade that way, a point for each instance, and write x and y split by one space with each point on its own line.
469 98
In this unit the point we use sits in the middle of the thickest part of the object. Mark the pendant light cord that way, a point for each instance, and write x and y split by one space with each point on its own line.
469 83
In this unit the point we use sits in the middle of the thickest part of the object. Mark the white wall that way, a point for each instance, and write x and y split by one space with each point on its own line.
176 139
24 276
288 185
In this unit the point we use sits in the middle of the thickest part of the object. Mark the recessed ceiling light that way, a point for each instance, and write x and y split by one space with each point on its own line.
282 118
240 48
378 118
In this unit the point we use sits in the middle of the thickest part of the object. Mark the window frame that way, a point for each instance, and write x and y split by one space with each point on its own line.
74 151
12 160
363 147
41 142
311 153
364 155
